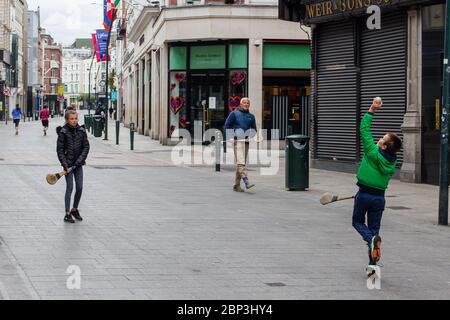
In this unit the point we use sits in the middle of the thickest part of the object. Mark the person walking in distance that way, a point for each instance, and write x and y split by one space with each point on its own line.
44 115
240 126
377 167
17 115
72 149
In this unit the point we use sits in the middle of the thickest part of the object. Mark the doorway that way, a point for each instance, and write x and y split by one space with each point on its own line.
207 100
432 55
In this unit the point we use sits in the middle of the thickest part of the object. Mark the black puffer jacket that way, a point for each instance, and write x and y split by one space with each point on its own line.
72 146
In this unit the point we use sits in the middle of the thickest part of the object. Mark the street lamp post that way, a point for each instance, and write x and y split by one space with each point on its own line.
443 181
89 96
114 13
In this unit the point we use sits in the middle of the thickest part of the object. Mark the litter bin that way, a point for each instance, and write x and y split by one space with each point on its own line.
97 125
36 115
297 162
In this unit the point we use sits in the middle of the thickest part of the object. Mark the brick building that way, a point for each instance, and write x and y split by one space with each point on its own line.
52 72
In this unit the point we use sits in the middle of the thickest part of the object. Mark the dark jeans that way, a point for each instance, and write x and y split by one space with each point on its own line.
373 206
78 174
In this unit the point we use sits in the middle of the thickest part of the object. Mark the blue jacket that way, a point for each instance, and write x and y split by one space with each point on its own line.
239 122
16 114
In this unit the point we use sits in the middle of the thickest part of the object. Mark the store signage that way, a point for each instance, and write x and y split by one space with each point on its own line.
314 11
319 9
208 57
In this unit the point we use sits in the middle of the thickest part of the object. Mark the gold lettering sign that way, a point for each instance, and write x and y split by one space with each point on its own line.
331 7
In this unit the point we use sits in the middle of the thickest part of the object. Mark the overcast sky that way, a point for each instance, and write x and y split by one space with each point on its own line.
66 20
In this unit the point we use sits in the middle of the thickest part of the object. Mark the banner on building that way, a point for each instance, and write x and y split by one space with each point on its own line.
94 41
102 43
61 90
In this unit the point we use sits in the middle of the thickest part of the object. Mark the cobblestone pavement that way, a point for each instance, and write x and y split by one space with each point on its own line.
154 230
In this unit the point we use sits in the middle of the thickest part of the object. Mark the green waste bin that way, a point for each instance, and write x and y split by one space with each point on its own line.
97 126
297 162
88 122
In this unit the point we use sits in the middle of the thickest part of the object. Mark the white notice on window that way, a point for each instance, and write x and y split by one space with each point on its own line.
212 102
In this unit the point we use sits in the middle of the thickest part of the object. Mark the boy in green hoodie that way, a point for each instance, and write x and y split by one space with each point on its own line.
376 169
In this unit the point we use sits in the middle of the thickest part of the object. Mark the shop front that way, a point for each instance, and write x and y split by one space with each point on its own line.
398 62
286 86
206 83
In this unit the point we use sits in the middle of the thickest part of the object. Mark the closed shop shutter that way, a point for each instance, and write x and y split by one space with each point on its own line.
336 102
383 73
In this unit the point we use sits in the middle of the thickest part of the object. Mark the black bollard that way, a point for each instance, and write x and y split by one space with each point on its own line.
218 143
131 136
117 131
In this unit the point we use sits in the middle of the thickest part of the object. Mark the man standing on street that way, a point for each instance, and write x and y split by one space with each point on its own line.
240 126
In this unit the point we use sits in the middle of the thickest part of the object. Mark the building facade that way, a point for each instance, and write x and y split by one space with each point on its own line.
74 74
186 65
34 73
52 92
13 48
400 62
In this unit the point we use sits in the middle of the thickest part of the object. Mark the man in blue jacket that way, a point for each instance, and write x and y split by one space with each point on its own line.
240 127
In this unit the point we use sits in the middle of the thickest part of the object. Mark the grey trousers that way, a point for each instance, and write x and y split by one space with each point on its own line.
78 175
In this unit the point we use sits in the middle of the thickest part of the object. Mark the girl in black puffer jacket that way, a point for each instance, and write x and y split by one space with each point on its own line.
72 148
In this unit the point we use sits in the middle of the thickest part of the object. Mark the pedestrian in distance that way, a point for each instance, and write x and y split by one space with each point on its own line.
17 115
240 126
377 167
72 150
44 115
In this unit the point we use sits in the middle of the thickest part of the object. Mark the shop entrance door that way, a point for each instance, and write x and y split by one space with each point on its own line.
208 109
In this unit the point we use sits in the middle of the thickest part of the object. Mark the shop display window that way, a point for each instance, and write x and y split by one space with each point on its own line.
177 102
238 88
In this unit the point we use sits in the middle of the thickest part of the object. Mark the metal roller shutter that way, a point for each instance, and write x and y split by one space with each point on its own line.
383 73
335 112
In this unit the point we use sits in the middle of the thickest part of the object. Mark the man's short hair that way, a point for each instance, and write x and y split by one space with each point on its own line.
393 144
245 98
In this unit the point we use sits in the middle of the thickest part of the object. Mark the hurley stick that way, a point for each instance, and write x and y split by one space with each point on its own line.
327 198
53 178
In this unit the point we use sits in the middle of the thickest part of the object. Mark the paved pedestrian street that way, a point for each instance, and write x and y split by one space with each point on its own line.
153 230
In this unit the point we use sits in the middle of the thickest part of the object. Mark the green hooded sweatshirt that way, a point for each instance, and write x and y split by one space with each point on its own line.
377 166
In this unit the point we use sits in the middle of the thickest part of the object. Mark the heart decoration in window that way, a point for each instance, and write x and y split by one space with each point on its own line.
234 103
180 77
237 77
172 86
183 122
176 104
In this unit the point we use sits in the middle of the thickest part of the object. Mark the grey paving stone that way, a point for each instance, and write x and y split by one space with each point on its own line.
158 231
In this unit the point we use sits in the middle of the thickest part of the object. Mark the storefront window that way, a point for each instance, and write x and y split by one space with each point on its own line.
238 88
177 58
177 103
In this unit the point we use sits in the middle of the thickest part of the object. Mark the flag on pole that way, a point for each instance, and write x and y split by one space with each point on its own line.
109 6
106 8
